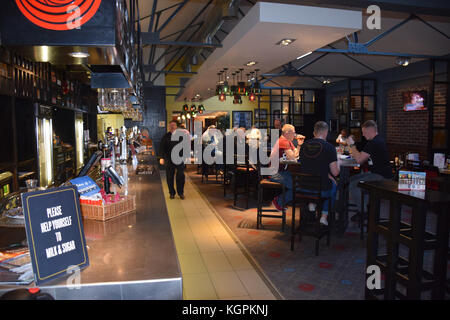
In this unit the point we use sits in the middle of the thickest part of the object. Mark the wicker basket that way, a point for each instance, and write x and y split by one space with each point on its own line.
109 211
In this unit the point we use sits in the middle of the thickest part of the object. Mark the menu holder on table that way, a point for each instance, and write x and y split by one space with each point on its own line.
411 181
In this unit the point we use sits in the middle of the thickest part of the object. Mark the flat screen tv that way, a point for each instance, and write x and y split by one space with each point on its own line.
414 100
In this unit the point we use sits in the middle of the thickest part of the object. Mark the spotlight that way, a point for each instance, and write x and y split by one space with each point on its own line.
222 97
193 108
403 61
252 97
251 63
188 115
285 42
185 107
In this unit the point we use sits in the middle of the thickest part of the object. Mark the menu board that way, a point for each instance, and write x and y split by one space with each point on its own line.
411 181
54 232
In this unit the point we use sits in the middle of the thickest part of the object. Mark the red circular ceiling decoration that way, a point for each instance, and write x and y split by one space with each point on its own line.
58 14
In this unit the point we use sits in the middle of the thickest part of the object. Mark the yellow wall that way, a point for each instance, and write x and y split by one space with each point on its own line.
108 120
211 104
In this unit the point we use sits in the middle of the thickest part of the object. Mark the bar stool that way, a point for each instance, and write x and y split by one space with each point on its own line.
309 223
207 169
242 175
266 184
364 213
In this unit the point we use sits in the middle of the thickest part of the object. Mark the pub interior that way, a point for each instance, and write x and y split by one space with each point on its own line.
348 105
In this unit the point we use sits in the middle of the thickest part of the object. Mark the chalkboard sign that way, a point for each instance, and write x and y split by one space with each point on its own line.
55 232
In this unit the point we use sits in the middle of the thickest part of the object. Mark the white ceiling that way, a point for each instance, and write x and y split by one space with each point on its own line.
256 35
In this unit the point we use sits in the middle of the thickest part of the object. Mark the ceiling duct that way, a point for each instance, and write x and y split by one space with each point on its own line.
223 11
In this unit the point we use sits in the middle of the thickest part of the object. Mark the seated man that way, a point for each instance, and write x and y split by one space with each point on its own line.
285 150
319 157
375 152
342 139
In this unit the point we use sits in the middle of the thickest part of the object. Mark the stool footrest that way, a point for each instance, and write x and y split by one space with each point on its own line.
270 216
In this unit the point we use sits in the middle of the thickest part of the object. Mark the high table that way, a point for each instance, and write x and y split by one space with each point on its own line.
407 272
132 256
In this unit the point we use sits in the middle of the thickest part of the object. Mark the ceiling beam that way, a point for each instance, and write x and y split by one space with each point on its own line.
180 6
151 68
428 7
152 39
378 53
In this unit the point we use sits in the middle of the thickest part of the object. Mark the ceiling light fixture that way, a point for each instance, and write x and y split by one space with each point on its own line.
80 55
403 61
304 55
285 42
251 63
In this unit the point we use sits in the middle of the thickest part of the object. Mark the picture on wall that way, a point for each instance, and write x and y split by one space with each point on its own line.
242 119
260 114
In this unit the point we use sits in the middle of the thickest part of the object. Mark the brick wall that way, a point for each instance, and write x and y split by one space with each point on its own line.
408 131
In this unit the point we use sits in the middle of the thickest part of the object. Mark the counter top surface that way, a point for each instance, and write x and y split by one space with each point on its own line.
430 196
137 246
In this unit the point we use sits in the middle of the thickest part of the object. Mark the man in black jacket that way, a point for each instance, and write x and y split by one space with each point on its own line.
165 151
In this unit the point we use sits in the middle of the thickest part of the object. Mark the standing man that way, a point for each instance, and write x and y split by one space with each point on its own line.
376 154
166 147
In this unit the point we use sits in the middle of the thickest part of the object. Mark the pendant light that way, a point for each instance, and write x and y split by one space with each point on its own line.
225 86
242 89
233 89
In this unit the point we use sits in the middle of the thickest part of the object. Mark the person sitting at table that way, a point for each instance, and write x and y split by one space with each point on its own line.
318 157
286 150
377 156
342 138
276 126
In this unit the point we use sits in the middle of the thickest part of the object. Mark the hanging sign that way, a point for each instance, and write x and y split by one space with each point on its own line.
54 232
58 23
63 15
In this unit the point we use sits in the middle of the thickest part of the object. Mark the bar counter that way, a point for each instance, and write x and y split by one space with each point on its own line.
132 256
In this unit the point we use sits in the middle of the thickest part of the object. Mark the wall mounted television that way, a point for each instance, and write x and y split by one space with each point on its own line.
415 100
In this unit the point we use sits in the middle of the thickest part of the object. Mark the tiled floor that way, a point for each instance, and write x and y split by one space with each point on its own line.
214 264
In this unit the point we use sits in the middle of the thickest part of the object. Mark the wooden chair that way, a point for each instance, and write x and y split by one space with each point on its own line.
266 184
310 221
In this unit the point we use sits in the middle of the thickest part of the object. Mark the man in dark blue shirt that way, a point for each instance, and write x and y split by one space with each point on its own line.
319 157
376 154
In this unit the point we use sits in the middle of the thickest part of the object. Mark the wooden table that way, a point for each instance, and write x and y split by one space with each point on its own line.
408 272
